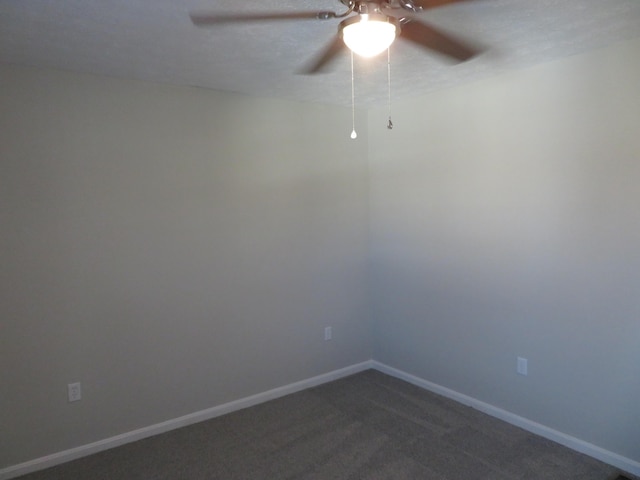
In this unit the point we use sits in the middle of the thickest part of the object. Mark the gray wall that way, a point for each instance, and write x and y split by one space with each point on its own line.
172 249
505 222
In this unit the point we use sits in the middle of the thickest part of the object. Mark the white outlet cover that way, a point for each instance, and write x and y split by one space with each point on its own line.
328 333
74 392
522 367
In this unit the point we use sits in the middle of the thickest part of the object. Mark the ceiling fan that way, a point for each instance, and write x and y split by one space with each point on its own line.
373 26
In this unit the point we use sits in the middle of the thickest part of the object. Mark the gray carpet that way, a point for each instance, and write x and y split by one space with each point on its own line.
367 426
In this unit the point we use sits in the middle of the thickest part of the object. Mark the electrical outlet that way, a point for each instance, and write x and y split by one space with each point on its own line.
523 366
74 392
327 333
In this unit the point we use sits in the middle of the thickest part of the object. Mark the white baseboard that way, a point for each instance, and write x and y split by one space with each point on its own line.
128 437
623 463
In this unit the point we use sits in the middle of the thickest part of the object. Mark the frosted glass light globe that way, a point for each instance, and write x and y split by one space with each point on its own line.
369 35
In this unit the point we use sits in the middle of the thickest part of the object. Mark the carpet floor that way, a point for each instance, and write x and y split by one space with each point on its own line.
366 426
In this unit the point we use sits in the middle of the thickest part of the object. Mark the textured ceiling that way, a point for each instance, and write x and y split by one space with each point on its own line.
155 40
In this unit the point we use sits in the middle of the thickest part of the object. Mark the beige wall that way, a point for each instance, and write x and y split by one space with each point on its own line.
172 249
505 222
175 249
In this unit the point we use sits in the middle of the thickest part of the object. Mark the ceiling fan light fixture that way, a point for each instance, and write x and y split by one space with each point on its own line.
369 34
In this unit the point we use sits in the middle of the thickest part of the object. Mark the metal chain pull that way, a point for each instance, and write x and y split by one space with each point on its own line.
354 135
390 124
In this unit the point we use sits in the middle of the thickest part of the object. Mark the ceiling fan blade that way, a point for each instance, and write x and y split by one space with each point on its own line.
433 39
202 20
328 54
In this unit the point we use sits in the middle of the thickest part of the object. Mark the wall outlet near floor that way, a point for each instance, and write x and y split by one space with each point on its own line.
328 333
523 366
74 392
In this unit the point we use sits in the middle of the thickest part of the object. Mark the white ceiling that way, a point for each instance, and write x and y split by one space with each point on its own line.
155 40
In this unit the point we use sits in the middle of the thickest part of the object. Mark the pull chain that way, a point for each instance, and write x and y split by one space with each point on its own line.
390 124
354 135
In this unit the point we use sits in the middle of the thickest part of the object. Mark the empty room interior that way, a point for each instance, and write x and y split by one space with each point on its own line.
175 250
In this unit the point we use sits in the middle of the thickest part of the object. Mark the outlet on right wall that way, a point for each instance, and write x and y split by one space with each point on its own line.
505 223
